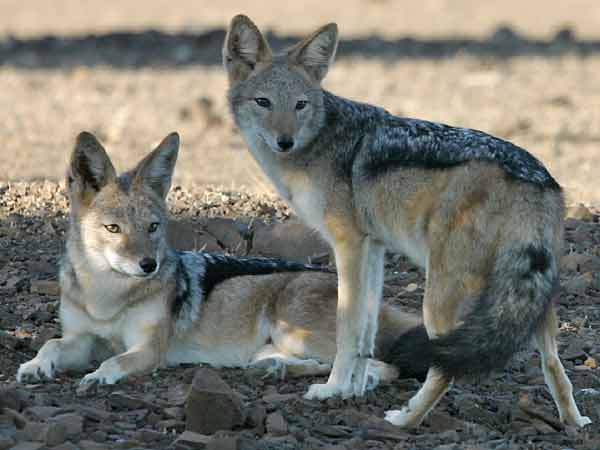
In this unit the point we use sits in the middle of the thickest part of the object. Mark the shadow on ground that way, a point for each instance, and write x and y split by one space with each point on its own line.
157 48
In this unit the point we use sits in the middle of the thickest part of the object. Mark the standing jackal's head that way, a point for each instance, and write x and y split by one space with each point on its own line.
119 223
277 98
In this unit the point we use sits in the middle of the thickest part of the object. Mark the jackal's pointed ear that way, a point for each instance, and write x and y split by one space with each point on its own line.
244 48
155 171
90 168
316 53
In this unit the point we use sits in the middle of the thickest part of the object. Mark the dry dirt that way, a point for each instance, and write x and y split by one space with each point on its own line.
132 71
483 415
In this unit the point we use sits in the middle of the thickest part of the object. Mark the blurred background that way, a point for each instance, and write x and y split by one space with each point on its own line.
133 70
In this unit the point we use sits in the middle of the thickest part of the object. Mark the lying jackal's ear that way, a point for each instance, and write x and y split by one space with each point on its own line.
316 53
90 168
244 48
155 171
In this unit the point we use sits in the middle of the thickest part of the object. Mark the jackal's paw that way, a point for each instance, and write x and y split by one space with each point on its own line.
401 418
324 391
581 421
35 370
102 376
273 367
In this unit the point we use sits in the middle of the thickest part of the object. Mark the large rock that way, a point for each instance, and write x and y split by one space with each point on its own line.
580 212
186 235
276 424
211 404
289 240
231 235
72 422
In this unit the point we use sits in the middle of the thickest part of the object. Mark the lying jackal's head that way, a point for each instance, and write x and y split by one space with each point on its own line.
120 222
277 97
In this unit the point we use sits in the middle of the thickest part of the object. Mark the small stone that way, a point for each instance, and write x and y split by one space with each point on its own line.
120 401
276 424
279 398
195 440
44 334
174 412
211 404
171 425
223 443
8 341
86 389
6 442
65 446
56 433
591 362
11 397
412 287
28 445
45 287
582 368
147 435
577 285
256 418
73 423
580 212
91 445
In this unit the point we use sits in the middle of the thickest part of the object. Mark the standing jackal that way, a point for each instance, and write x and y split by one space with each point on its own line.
483 216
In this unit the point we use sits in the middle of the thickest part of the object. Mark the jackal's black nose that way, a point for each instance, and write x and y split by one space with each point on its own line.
285 143
148 265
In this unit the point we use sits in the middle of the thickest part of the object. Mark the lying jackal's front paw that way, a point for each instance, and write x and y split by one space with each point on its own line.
403 418
103 376
324 391
35 370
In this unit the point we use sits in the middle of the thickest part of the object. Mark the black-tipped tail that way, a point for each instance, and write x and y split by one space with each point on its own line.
500 324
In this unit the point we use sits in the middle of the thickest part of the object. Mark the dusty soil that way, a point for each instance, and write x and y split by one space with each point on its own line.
482 415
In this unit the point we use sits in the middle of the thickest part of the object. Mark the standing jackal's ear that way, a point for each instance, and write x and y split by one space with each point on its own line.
155 171
316 53
90 168
244 48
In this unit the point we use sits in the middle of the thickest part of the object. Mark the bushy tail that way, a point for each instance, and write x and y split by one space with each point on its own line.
502 321
396 325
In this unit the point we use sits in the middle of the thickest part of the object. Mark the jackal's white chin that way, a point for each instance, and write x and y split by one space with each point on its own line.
125 266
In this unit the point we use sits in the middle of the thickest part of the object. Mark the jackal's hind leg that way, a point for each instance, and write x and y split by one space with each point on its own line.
279 365
554 373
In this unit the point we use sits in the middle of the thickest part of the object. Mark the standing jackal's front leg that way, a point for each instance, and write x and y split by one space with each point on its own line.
374 288
351 257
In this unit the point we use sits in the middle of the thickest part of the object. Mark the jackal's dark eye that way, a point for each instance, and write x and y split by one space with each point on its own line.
113 228
301 104
153 227
263 102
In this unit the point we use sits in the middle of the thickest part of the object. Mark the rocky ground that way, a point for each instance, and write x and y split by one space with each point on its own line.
511 409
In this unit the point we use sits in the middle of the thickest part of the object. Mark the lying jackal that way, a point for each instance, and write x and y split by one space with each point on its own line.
133 302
